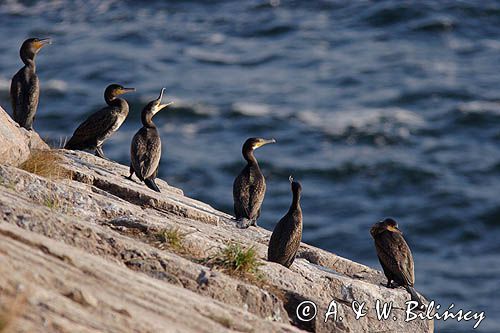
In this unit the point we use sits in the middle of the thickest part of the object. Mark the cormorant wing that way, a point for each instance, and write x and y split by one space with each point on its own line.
241 194
32 96
257 192
24 97
248 193
395 255
94 128
16 96
287 237
146 153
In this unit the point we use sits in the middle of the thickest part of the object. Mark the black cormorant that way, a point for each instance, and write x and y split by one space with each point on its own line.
395 256
145 150
92 133
287 234
249 187
25 87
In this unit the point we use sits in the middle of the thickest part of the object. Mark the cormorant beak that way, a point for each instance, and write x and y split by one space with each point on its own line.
263 142
126 90
290 179
393 228
160 106
42 42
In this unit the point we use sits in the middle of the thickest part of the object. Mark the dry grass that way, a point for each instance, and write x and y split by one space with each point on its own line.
237 261
46 163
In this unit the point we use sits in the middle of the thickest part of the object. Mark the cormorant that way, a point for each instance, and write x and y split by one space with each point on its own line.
145 150
25 87
287 234
249 188
92 133
395 256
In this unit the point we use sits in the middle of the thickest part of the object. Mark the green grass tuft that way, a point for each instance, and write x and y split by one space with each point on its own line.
172 237
52 202
236 260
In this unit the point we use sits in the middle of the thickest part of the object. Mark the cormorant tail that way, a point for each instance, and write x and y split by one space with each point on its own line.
415 297
131 172
69 145
151 184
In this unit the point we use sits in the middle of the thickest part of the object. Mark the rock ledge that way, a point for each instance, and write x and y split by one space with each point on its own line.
80 255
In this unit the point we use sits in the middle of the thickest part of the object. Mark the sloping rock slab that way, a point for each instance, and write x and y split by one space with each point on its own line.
72 291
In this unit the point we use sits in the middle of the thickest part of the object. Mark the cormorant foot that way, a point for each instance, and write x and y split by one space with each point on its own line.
391 285
244 223
100 153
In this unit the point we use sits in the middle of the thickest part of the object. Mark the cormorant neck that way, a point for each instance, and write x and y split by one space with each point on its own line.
113 100
147 120
250 157
29 61
295 201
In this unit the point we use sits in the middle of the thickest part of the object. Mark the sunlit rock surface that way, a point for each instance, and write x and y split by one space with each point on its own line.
79 254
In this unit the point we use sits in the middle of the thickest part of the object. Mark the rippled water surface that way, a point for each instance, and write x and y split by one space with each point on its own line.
386 108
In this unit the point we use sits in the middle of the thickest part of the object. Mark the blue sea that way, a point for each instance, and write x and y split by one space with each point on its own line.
379 108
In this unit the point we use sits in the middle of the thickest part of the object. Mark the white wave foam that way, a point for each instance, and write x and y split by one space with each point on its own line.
210 56
251 109
56 86
197 108
393 121
216 38
480 107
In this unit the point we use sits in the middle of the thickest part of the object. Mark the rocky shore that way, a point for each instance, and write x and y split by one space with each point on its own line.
82 249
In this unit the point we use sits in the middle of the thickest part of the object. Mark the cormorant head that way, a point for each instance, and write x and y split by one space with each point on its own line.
296 187
388 224
32 46
254 143
153 108
156 106
114 90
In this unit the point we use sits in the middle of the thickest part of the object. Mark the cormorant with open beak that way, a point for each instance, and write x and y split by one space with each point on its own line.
25 86
395 256
287 234
249 188
92 133
145 150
